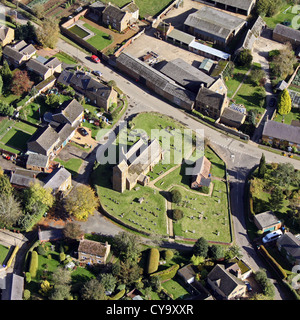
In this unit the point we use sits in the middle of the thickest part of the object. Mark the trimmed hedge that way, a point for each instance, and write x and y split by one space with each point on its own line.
9 262
166 274
34 262
273 262
153 260
118 296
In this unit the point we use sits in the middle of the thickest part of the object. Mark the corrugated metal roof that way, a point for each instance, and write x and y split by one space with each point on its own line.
217 53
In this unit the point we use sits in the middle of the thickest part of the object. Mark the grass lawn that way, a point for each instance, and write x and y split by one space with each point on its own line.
100 40
233 82
16 139
293 115
174 288
3 253
73 165
149 214
78 31
214 223
146 7
281 16
63 57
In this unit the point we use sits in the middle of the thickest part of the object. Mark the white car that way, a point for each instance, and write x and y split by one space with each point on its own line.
272 236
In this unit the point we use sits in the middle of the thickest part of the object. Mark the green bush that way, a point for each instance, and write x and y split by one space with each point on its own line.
118 296
28 277
168 254
34 262
166 274
26 294
153 260
62 256
273 262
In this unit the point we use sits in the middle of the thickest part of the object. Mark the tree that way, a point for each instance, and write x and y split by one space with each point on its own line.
25 32
176 196
48 34
216 252
6 74
128 272
6 109
52 100
268 7
10 210
276 199
177 214
6 188
262 168
72 230
284 174
201 247
81 202
265 283
20 82
244 58
38 10
284 103
93 290
108 281
127 246
36 197
232 252
256 74
282 65
1 84
61 276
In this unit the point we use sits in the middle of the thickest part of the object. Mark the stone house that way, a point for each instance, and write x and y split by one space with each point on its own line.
93 252
7 35
18 53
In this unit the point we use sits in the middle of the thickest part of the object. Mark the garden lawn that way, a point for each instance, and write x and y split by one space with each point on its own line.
73 165
3 253
16 139
215 216
140 216
288 118
174 288
146 7
63 57
281 16
100 40
233 82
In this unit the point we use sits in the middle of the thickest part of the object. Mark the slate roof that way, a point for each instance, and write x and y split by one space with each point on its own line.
282 131
56 178
187 272
266 219
225 281
291 244
24 178
70 111
42 140
215 22
201 171
37 160
233 115
240 4
210 98
186 75
287 32
130 7
50 234
92 247
85 83
114 13
155 77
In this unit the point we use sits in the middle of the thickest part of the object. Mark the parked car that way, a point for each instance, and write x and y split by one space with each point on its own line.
249 288
272 102
95 58
97 73
272 236
83 131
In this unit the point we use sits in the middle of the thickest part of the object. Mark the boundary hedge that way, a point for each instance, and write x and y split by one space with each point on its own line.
166 274
153 260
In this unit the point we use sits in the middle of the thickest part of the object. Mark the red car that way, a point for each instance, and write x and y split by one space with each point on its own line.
95 59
